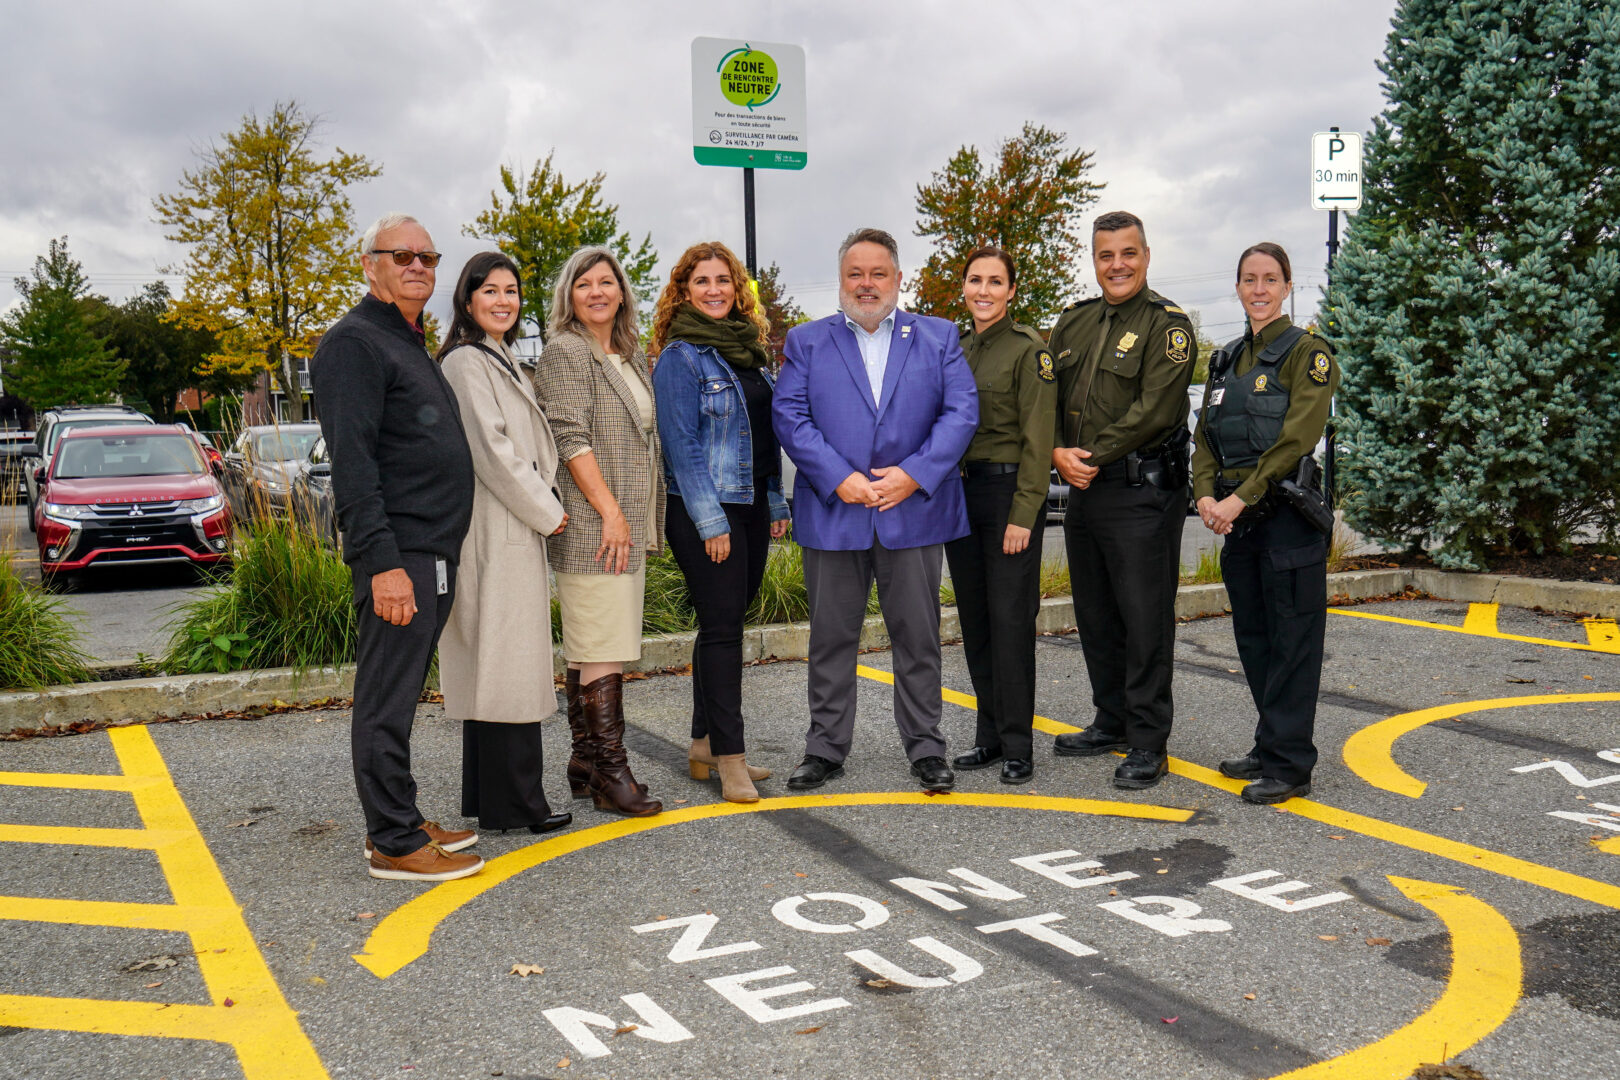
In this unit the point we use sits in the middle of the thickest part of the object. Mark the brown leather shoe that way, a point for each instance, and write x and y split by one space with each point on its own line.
430 862
449 839
612 787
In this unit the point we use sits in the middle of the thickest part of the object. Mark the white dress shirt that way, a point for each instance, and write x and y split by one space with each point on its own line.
874 351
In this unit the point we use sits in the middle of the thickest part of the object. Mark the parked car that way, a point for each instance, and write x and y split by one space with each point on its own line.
260 467
129 494
15 449
312 494
53 423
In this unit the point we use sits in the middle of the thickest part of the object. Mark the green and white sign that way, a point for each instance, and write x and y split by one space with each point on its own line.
748 106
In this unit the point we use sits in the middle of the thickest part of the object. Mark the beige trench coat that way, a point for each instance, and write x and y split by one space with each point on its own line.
495 655
590 408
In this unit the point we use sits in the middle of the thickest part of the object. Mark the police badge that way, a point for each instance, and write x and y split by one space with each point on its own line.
1177 345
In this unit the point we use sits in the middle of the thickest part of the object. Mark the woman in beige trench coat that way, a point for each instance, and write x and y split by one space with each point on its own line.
495 654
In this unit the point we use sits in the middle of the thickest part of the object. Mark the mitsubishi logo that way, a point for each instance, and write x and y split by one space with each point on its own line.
136 511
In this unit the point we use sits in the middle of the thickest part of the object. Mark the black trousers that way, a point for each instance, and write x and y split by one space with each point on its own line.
391 667
1276 577
721 593
1124 547
501 770
997 599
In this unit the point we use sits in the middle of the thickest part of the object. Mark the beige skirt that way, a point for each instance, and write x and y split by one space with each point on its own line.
601 616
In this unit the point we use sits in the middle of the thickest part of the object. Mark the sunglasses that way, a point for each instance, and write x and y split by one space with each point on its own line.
405 256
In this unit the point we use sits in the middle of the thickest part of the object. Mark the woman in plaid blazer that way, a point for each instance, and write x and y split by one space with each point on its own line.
596 389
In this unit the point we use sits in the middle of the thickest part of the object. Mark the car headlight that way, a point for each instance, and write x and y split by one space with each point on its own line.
70 511
203 506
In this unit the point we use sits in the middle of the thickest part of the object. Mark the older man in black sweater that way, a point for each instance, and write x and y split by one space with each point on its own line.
402 480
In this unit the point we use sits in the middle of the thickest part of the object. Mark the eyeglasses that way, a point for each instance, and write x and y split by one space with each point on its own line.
405 256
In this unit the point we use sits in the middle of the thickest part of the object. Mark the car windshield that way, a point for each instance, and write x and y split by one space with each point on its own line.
284 445
64 426
128 455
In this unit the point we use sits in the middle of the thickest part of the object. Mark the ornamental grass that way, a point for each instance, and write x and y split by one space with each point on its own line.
39 643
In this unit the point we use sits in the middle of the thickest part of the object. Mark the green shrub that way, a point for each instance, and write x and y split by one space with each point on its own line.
39 645
1208 570
289 597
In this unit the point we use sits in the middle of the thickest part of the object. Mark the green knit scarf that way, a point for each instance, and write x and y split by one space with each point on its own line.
735 337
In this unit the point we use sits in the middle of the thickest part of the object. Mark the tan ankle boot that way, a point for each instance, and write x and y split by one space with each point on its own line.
735 784
700 760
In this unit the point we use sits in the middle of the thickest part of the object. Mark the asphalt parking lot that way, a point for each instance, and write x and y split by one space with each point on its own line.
189 899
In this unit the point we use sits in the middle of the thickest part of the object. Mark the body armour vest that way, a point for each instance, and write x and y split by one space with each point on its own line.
1243 414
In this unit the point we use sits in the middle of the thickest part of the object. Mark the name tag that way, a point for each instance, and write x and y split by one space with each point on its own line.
1216 395
442 575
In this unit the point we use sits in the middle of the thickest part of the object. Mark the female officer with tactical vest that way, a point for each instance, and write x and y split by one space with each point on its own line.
1265 407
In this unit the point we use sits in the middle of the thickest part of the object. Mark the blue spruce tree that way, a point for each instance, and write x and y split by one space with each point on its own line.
1476 301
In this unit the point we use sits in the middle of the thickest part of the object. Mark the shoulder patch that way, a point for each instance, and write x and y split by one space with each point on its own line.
1321 366
1044 366
1177 344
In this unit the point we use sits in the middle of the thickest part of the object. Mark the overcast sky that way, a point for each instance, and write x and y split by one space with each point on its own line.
1199 113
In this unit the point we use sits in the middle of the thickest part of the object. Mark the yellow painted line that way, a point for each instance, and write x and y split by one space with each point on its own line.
257 1023
1610 846
148 839
1549 642
1482 989
1370 752
1603 634
1481 619
128 916
1598 892
73 781
404 935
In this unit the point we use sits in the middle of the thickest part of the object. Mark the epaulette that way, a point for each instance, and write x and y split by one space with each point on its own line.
1083 303
1169 307
1031 333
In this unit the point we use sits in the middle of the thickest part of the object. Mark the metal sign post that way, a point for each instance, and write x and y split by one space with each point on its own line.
748 112
1335 186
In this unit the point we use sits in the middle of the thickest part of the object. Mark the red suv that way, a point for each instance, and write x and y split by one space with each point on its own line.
130 494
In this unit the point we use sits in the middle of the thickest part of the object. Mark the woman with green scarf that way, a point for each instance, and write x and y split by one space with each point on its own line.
723 470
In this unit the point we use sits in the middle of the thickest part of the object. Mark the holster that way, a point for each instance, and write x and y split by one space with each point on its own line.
1303 491
1165 466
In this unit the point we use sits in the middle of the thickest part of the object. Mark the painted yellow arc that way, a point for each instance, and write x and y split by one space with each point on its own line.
1486 978
1370 752
405 933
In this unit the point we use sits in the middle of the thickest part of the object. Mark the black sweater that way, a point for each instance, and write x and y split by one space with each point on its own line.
402 477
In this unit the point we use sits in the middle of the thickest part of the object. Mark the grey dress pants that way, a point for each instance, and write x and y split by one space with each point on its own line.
908 593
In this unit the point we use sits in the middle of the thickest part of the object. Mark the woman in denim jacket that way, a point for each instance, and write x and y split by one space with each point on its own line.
723 470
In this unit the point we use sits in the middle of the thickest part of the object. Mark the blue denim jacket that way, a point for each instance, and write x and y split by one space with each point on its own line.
708 448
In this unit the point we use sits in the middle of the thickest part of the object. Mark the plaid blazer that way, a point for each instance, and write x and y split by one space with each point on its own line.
589 407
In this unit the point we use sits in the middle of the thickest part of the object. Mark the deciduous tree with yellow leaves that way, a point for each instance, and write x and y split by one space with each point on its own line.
271 259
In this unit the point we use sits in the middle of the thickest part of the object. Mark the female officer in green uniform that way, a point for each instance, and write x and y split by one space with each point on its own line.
1265 407
996 568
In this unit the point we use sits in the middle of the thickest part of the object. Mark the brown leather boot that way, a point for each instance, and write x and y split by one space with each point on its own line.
735 786
700 760
579 765
612 786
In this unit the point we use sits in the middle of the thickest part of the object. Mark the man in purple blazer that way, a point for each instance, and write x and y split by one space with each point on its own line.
876 407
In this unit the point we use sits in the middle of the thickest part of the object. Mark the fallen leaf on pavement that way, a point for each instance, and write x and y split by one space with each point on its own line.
563 1064
1248 997
154 963
1378 941
626 1029
366 915
152 986
227 1003
1327 937
526 970
1169 1019
808 1030
1447 1072
878 984
244 823
797 874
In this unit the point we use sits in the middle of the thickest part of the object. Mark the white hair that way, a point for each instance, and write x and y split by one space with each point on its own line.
391 220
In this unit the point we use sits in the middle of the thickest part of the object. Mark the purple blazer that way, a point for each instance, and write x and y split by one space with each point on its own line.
826 422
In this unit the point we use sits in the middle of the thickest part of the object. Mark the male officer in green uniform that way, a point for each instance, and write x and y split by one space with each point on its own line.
1124 361
996 567
1265 406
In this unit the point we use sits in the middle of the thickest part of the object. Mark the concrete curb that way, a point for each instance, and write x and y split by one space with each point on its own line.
189 695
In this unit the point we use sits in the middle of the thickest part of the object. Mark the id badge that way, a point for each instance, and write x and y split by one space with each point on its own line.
1217 395
442 576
